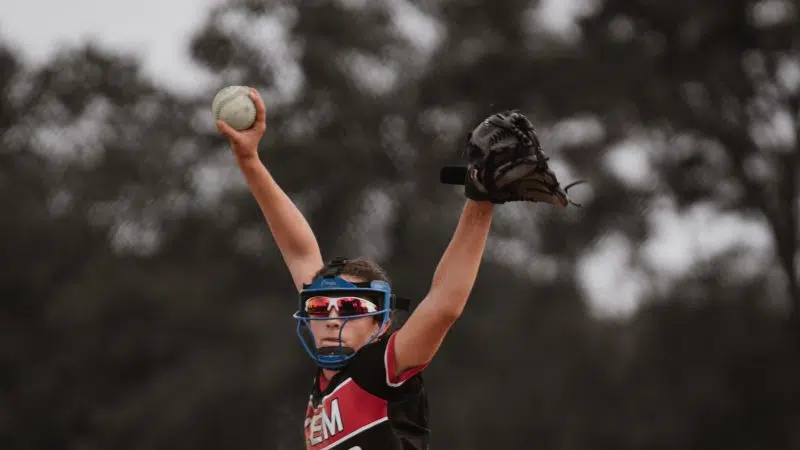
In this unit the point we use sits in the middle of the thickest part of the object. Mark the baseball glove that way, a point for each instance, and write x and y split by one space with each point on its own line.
506 164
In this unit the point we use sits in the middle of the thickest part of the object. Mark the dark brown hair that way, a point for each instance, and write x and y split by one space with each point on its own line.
360 267
365 269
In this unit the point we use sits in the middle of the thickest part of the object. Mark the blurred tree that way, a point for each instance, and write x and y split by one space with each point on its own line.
125 297
145 306
714 88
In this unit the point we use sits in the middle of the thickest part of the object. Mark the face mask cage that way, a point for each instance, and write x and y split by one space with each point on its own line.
329 284
377 292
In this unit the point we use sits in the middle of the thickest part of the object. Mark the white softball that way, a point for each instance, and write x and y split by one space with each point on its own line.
234 106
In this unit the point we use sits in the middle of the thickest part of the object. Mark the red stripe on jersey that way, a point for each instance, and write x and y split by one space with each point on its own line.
391 365
323 381
345 412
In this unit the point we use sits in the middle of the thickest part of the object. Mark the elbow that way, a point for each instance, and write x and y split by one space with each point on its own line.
446 303
451 310
451 315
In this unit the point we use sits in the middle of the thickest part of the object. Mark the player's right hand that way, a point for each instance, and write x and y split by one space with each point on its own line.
245 143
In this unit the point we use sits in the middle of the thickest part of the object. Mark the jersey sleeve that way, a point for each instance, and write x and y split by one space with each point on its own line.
373 368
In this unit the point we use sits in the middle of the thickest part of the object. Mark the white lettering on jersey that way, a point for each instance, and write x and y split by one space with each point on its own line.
332 424
323 425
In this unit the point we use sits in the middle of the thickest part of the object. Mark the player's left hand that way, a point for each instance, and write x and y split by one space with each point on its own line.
507 164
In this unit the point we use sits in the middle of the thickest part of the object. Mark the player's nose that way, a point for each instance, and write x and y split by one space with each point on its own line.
335 324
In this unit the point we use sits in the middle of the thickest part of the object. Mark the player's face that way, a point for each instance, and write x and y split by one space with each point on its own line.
355 334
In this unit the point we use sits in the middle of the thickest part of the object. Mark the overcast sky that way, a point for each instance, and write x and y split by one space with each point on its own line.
158 31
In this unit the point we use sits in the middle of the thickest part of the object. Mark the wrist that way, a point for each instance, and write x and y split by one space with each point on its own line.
248 161
479 207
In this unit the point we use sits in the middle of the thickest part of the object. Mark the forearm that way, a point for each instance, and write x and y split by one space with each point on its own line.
289 228
419 339
458 268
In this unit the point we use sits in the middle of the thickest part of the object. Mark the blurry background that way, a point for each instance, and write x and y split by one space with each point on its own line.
143 304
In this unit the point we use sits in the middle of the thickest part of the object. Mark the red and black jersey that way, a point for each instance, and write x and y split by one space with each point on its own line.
364 407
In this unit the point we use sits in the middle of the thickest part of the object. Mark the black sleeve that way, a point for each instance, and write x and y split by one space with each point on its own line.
371 369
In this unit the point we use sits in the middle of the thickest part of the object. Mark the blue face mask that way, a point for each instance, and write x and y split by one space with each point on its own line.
378 292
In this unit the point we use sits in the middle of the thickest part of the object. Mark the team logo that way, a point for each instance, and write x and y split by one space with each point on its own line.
324 424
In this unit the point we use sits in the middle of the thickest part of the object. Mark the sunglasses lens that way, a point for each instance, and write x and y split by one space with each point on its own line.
352 306
345 306
317 306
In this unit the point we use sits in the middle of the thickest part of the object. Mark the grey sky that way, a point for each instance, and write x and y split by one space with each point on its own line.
155 30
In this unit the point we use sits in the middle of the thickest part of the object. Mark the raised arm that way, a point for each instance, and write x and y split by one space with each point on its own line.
506 164
419 339
291 231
